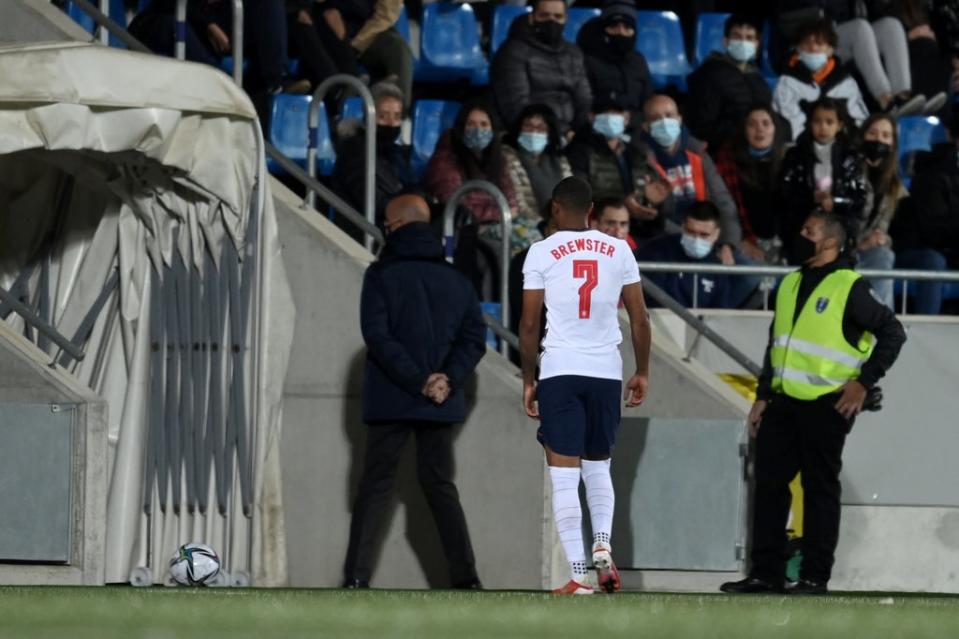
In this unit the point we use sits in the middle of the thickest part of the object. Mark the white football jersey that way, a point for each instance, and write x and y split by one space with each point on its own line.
583 274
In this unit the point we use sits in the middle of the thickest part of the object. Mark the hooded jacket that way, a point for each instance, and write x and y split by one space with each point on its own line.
623 76
527 71
797 88
418 316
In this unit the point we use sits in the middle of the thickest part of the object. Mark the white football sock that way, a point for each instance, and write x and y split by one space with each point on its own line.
568 515
600 498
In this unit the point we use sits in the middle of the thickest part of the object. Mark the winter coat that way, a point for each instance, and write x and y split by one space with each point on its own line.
880 217
613 75
527 206
443 176
720 96
851 192
526 71
796 88
759 206
393 172
418 316
933 216
713 289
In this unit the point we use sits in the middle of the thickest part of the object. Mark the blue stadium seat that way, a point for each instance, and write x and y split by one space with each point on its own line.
917 133
496 310
430 119
503 16
403 26
709 35
450 45
289 132
575 19
659 37
352 109
765 57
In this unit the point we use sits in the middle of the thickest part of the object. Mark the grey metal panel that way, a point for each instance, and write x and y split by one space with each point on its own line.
36 446
679 494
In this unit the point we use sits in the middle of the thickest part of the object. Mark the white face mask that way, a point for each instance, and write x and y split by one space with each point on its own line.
696 247
741 50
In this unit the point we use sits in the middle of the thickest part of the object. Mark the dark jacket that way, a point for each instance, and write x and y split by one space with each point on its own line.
864 312
720 96
418 316
393 171
713 289
850 188
526 71
932 219
612 74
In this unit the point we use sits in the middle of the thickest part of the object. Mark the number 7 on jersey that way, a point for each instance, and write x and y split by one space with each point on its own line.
590 270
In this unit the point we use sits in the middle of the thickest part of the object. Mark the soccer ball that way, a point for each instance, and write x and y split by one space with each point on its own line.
194 565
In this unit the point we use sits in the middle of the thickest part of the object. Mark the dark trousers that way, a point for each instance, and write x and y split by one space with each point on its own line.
434 469
805 437
321 53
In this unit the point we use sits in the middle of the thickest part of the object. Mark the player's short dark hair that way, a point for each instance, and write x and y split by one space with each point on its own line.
604 203
573 194
821 30
742 20
703 211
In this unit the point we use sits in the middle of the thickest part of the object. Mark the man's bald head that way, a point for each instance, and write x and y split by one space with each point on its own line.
660 106
404 209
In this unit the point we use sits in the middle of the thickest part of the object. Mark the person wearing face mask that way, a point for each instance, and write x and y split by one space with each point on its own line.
727 84
620 167
830 343
612 63
535 65
393 170
535 165
813 72
696 244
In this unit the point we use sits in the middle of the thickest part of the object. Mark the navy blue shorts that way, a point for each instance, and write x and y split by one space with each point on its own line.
579 416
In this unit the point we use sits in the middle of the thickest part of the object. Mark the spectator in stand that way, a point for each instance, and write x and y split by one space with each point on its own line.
812 72
927 61
823 171
615 168
393 171
726 85
750 167
547 226
612 63
696 244
313 42
535 165
369 28
879 144
537 66
610 216
927 236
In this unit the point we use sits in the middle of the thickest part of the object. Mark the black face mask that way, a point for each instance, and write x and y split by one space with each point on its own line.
876 151
548 32
620 45
386 135
803 249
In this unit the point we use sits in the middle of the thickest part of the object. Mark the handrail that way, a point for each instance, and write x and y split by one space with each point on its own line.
369 184
179 33
506 227
315 186
31 318
722 269
103 34
237 41
107 23
501 331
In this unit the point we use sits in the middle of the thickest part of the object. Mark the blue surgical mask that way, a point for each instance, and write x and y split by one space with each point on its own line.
695 247
760 153
610 125
533 142
813 61
665 131
477 139
741 50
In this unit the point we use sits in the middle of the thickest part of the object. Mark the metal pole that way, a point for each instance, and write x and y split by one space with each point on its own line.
102 33
37 322
179 46
506 227
695 290
905 295
369 191
237 40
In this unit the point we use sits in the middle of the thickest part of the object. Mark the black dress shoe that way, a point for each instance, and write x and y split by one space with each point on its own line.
808 587
472 584
750 585
355 584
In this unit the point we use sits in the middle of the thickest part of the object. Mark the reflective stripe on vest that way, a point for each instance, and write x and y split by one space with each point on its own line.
810 356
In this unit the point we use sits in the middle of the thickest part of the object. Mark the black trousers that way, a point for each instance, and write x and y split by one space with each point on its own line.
806 437
434 468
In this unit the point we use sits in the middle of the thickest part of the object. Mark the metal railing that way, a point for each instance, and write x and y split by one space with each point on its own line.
236 38
105 22
906 275
369 179
506 227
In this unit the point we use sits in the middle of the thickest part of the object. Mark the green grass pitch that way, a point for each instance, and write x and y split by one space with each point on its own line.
160 613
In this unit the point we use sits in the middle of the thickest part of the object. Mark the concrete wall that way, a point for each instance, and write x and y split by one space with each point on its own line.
23 21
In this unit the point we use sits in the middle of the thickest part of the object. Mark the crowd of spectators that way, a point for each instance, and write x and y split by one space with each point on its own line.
723 173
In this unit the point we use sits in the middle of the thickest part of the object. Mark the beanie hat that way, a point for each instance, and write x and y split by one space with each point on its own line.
619 11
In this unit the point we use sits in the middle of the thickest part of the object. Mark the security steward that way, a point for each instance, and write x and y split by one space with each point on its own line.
830 342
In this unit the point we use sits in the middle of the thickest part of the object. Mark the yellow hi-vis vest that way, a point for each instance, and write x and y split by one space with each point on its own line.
812 358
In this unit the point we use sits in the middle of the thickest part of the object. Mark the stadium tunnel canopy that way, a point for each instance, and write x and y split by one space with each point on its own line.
135 216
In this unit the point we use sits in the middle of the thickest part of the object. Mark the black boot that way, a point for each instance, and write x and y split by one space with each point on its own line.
750 585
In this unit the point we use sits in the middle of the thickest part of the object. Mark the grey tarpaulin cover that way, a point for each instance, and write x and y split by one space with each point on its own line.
135 216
